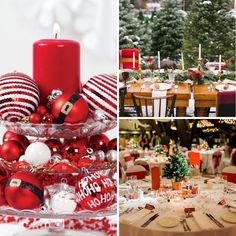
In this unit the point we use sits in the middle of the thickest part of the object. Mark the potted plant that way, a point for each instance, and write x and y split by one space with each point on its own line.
177 169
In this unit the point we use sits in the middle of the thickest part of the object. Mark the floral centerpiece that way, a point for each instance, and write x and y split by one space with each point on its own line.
177 169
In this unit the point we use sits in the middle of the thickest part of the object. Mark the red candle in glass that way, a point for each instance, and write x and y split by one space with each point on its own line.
56 65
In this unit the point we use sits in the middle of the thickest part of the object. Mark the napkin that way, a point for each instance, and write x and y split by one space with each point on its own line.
157 105
133 217
202 221
232 204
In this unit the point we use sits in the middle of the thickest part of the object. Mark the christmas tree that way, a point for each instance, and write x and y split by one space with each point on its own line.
145 32
209 23
167 35
129 25
177 168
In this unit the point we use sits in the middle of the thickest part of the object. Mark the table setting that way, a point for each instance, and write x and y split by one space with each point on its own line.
208 211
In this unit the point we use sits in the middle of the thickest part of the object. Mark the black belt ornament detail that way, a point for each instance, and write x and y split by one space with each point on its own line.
67 107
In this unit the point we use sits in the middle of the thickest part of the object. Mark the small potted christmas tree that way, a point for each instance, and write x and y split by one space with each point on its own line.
177 169
159 150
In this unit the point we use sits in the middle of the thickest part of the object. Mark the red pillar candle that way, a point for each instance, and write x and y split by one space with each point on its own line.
129 59
56 65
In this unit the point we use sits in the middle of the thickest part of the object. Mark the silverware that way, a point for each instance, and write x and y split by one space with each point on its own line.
149 220
182 222
213 219
124 212
186 224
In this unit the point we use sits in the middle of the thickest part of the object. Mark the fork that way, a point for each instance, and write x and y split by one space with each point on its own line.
182 222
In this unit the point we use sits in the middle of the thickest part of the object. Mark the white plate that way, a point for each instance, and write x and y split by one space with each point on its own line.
229 217
168 221
161 86
220 87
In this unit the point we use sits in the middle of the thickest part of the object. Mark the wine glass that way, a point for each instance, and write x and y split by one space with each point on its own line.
125 76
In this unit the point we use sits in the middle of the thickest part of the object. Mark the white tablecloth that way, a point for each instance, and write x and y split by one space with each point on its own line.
176 208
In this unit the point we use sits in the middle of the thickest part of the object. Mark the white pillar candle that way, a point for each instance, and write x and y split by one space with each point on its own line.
219 62
200 52
133 60
140 59
182 60
159 60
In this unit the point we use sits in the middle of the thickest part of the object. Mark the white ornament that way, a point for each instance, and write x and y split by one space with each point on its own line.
22 158
63 201
37 153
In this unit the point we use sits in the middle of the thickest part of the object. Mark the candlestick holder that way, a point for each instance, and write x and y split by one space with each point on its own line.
219 76
199 64
139 72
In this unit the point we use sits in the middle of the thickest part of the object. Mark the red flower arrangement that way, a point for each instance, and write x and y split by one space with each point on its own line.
194 75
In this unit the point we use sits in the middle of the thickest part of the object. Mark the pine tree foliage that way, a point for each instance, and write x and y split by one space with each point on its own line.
209 23
129 25
178 167
167 32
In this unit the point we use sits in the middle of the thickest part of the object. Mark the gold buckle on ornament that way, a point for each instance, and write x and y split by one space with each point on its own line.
15 183
66 108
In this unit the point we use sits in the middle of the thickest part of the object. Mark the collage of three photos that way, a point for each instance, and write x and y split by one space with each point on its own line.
118 117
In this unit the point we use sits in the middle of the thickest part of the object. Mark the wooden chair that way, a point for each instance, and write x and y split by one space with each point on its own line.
141 102
226 104
124 112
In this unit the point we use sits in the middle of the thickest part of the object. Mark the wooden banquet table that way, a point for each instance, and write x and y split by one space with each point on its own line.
200 225
204 99
183 93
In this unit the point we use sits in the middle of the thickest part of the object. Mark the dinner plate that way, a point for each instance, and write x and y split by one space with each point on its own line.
160 86
168 221
221 87
229 217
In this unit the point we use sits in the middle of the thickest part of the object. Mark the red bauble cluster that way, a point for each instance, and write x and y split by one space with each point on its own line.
13 146
41 115
99 142
65 108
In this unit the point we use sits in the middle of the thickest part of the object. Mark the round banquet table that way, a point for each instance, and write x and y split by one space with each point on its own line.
207 201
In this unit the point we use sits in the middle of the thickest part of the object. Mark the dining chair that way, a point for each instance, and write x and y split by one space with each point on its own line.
144 106
136 170
194 159
125 111
226 104
230 173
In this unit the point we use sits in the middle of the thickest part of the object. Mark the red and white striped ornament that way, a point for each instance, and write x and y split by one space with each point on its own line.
100 91
19 96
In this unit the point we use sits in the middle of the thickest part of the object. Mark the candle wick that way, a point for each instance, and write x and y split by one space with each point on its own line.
55 35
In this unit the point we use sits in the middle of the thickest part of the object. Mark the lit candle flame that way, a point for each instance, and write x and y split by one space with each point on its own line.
56 29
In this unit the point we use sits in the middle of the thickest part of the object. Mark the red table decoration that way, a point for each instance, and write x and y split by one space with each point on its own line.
56 65
129 59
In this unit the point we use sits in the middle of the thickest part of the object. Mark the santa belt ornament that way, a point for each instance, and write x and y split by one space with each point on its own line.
128 60
25 185
67 107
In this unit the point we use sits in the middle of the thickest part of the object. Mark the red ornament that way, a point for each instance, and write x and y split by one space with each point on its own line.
101 94
64 167
11 150
48 119
41 110
70 109
19 96
112 144
3 180
21 166
54 145
73 150
99 142
24 191
23 140
35 118
95 191
85 162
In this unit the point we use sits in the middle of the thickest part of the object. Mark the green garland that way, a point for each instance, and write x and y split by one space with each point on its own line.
177 168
